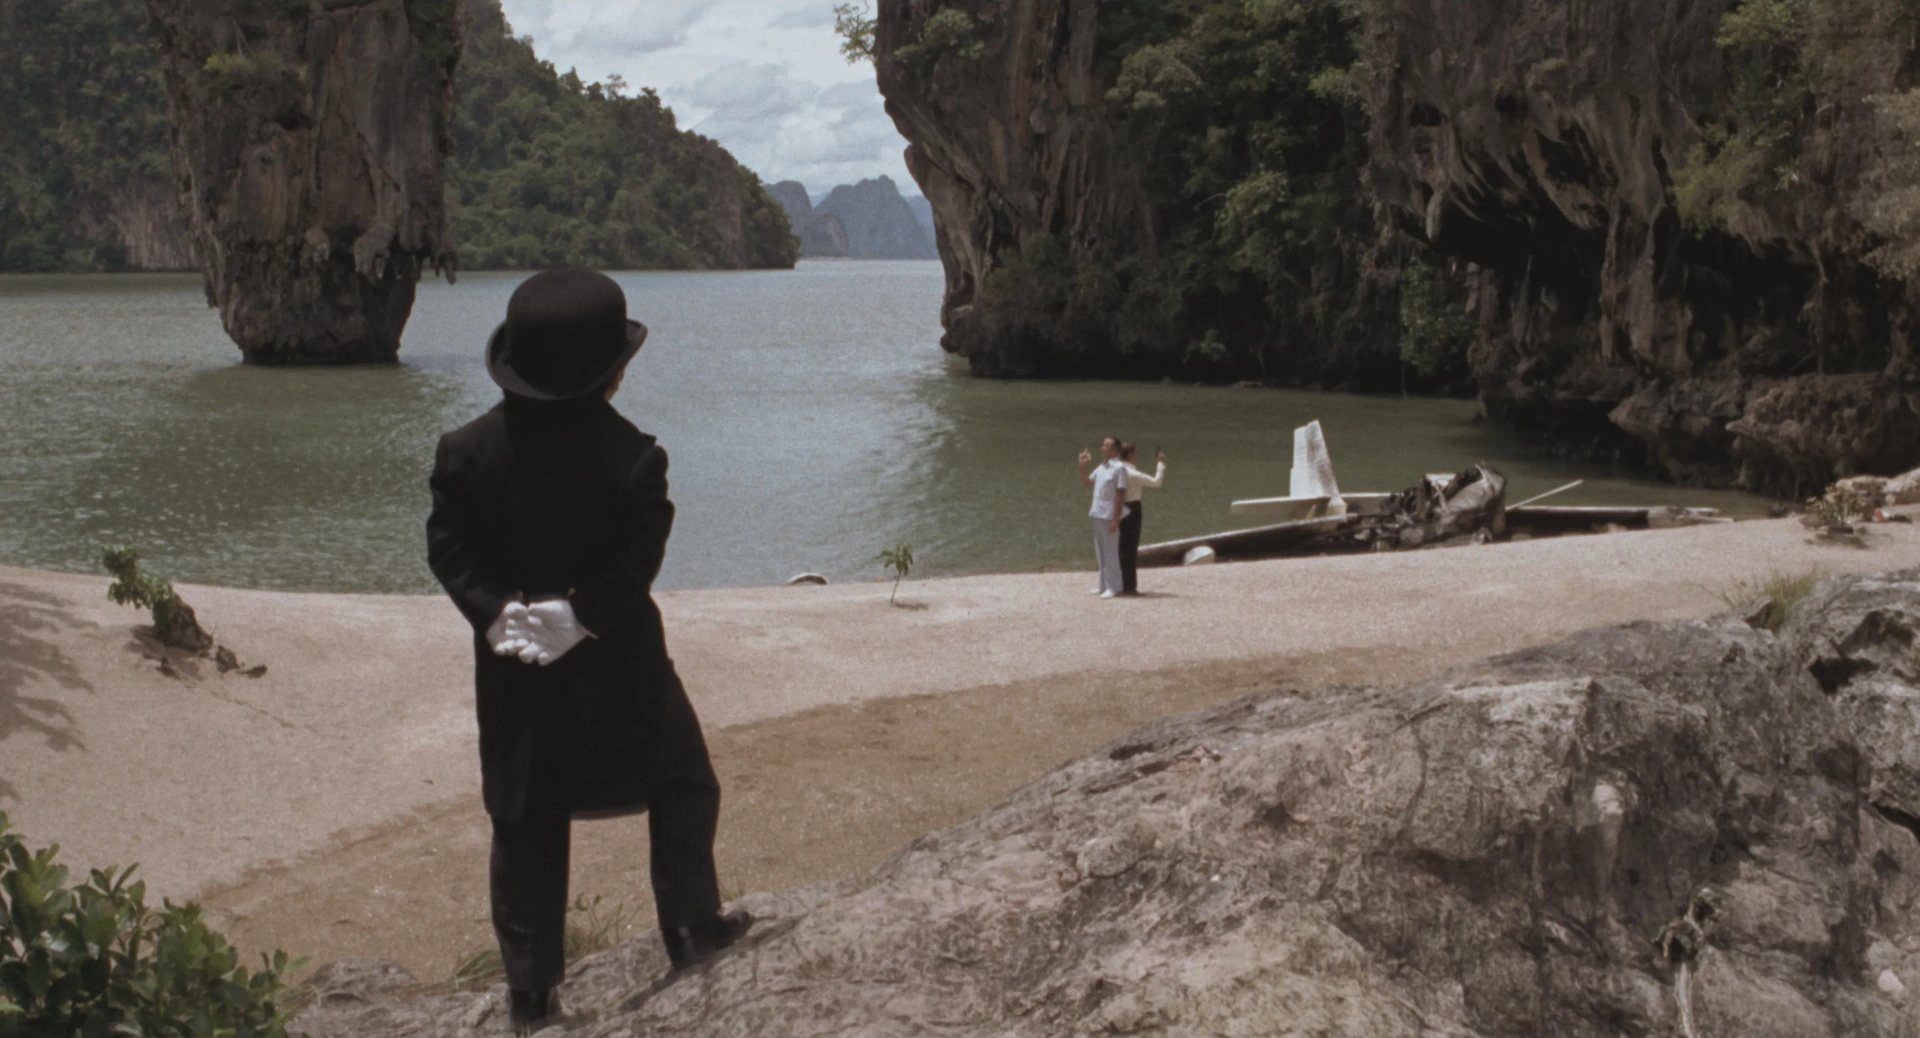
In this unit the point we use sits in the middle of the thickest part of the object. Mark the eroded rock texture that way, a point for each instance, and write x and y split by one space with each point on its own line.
1541 141
1013 143
309 138
1487 853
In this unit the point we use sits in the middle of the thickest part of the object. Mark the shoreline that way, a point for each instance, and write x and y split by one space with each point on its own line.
310 807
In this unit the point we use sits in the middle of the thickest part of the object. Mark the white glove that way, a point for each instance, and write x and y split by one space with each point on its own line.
508 633
552 630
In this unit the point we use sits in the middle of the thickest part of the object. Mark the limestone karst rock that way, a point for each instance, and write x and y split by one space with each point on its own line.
309 139
1766 348
1485 854
1008 146
1537 151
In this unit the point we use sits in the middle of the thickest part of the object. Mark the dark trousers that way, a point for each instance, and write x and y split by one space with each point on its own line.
1130 548
529 879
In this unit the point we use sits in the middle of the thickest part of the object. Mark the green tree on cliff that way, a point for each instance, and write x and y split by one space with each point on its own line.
549 170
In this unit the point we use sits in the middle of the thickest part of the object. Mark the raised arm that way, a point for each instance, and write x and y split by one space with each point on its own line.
1085 479
1141 479
475 589
616 593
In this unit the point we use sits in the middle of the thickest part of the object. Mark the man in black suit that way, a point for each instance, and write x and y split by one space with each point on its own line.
550 519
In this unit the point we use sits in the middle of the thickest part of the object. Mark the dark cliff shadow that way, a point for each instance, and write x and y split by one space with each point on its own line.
26 653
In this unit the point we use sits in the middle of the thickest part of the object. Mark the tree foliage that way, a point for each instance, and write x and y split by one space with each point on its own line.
84 116
92 959
549 170
1251 156
855 24
1807 81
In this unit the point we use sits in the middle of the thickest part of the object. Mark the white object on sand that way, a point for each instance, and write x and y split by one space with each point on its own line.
1201 556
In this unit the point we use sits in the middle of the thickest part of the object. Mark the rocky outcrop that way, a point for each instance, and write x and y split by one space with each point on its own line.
1575 841
1542 144
309 139
1010 145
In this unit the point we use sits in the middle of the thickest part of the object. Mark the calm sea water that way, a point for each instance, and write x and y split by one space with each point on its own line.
810 415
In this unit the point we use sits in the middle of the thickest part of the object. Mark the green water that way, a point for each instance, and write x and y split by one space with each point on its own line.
810 415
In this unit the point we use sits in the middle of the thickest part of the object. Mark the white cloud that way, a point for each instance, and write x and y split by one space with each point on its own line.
763 77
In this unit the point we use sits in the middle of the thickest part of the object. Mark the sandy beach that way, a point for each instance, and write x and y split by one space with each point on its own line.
331 807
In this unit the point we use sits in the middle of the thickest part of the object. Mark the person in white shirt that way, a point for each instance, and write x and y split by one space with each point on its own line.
1109 483
1137 483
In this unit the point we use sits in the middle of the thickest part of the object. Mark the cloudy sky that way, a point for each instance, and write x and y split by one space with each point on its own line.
763 77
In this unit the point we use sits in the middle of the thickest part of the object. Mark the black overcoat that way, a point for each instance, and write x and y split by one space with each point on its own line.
546 500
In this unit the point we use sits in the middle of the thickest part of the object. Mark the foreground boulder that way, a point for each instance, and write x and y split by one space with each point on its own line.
1488 853
309 139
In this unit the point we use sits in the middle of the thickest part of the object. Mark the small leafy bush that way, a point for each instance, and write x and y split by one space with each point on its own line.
228 72
173 620
1841 505
94 961
899 559
949 32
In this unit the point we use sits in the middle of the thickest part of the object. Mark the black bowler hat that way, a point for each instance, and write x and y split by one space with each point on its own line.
566 335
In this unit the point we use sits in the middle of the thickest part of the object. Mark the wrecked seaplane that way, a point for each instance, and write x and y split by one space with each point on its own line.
1443 509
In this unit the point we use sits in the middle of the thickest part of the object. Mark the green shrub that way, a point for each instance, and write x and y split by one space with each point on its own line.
948 33
1781 591
228 72
899 559
173 620
93 960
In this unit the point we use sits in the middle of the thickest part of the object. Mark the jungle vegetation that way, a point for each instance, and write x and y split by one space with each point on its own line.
547 169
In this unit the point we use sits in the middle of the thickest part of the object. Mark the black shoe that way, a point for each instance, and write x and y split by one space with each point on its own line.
688 945
532 1010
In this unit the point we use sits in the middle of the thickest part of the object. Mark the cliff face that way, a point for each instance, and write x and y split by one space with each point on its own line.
1007 146
309 138
1679 232
1555 147
1142 190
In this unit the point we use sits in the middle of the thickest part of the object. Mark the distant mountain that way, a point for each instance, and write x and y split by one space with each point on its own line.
868 220
880 224
822 235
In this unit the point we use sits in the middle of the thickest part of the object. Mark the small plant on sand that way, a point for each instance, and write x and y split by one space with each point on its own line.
1779 591
899 559
1840 506
173 620
93 959
590 929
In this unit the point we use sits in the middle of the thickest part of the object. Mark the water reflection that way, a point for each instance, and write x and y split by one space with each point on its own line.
312 478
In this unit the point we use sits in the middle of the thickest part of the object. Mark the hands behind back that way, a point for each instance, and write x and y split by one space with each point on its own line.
540 632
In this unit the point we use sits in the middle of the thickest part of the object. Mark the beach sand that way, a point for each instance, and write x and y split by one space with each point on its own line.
331 807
